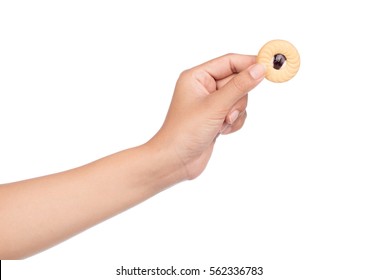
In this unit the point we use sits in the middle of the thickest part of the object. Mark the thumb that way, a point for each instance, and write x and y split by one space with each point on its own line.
239 86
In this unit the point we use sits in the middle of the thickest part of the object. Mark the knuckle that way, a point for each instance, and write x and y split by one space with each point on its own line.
184 74
230 54
243 103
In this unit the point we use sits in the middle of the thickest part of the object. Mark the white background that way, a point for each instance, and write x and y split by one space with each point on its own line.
294 191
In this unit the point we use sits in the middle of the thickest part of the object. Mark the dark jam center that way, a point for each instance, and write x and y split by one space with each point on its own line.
278 61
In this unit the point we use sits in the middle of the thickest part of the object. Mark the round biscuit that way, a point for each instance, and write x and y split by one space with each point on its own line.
291 66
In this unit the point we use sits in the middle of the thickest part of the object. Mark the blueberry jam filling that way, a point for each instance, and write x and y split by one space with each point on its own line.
278 61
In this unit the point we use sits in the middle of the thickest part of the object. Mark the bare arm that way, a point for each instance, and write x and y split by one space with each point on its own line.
209 100
38 213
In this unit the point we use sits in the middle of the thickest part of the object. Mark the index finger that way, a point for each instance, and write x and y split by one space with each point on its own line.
226 65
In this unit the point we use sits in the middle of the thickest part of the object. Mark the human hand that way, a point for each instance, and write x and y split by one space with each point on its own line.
208 100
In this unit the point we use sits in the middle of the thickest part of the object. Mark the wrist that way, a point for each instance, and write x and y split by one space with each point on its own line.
164 166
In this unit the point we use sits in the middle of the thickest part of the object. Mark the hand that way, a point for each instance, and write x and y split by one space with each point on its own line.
209 100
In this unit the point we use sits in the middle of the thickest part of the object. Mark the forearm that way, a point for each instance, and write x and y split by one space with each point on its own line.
39 213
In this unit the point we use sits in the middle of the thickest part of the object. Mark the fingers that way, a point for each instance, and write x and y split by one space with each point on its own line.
238 124
238 87
222 82
236 110
227 65
236 117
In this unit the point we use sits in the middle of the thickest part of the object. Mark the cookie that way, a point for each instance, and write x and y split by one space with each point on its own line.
281 60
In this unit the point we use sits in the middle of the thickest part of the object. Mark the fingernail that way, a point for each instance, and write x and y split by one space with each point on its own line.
257 71
233 116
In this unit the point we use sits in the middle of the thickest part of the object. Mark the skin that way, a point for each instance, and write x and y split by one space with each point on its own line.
209 100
